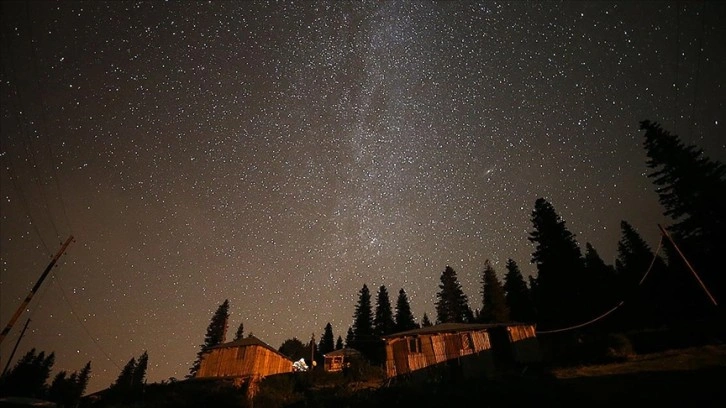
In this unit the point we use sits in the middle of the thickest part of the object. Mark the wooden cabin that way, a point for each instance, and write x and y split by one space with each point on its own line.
336 360
469 349
248 357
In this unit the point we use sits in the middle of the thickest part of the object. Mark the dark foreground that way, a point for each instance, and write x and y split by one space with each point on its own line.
691 377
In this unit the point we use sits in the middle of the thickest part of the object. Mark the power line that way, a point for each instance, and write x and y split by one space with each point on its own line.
698 69
78 319
43 116
616 307
16 106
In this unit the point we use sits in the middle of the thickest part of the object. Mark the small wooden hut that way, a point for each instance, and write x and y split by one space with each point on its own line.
248 357
336 360
467 348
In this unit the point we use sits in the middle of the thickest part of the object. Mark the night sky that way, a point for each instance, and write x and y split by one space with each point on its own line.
281 155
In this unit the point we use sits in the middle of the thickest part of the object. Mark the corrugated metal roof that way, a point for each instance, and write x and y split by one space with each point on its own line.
345 352
247 341
452 327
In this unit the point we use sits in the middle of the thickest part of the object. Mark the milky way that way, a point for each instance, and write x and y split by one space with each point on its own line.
281 155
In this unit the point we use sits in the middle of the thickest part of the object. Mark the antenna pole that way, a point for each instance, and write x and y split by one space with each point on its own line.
688 264
28 298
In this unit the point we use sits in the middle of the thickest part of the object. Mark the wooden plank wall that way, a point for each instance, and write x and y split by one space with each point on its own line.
243 361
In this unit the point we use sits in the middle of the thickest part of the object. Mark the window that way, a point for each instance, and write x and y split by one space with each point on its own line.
414 345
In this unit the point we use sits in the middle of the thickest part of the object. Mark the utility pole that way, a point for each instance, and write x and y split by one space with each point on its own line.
17 343
688 264
35 288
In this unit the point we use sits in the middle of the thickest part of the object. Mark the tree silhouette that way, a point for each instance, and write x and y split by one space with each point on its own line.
363 317
339 343
425 321
125 382
404 317
692 190
599 282
327 340
383 322
294 349
216 332
451 304
560 267
647 304
494 304
519 300
239 334
350 338
29 375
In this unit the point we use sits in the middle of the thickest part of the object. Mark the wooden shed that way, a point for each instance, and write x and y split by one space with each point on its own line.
467 348
336 360
248 357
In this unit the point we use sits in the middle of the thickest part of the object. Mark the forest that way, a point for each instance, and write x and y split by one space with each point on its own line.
585 310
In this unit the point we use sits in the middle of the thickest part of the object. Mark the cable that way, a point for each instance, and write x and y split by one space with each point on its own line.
698 69
616 307
15 102
43 116
70 307
678 61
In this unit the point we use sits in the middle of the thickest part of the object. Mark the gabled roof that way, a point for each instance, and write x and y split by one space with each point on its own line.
345 352
247 341
452 328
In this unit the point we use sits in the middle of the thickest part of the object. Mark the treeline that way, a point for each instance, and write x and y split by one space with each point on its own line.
29 378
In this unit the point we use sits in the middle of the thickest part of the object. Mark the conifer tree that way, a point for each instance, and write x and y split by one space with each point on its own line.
294 349
451 304
29 375
647 304
327 340
239 334
599 282
139 375
494 304
125 381
559 291
404 317
339 343
425 321
383 322
519 299
350 338
692 190
363 318
216 332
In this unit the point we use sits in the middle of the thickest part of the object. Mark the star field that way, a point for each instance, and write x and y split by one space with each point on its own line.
281 155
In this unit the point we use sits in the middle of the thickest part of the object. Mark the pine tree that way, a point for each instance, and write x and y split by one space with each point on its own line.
519 299
363 318
81 383
383 322
494 304
339 343
425 321
125 381
139 375
327 340
216 332
599 284
350 338
692 190
559 269
404 317
294 349
239 334
647 304
451 304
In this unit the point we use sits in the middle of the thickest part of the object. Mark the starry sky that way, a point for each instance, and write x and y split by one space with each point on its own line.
283 154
